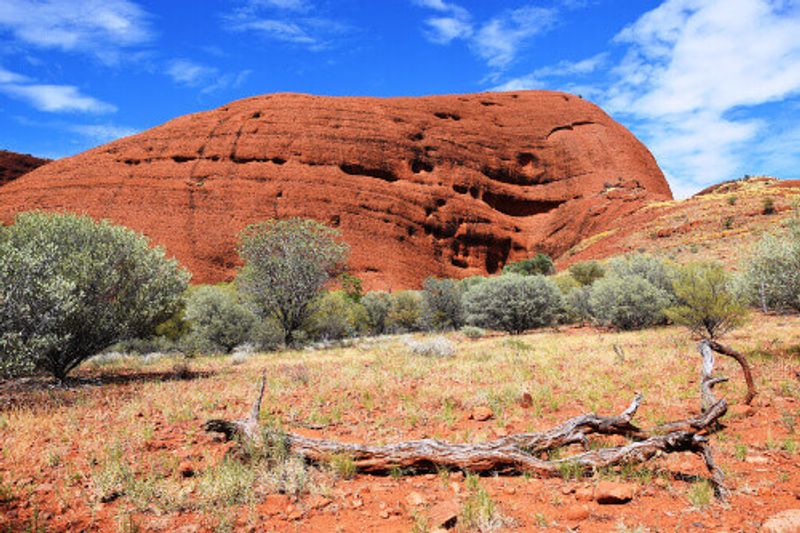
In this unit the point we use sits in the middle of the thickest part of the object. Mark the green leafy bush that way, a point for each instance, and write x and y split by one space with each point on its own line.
659 272
473 332
218 320
707 306
513 303
538 264
337 316
406 312
377 305
442 307
587 272
70 287
771 275
628 302
287 263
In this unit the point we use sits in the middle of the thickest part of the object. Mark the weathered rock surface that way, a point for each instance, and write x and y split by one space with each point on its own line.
443 185
784 522
14 165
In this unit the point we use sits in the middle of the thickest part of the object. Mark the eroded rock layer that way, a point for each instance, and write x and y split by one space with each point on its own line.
442 185
14 165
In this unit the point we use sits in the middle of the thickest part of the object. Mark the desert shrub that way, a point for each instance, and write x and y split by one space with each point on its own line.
267 334
628 302
473 332
707 305
442 307
351 285
659 272
70 287
587 272
406 311
218 320
513 303
538 264
336 316
287 262
771 274
565 282
377 305
768 207
577 305
433 347
467 283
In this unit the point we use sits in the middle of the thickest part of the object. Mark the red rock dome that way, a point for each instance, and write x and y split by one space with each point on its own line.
441 185
14 165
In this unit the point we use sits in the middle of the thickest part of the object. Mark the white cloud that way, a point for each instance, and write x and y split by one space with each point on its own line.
442 30
291 5
6 76
57 98
189 73
500 39
102 133
692 70
99 27
552 76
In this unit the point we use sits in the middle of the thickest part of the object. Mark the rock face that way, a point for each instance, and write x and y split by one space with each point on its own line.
14 165
443 185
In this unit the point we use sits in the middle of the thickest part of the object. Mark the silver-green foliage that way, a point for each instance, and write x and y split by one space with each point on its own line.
337 316
442 306
70 286
770 277
377 305
219 321
513 303
287 263
628 301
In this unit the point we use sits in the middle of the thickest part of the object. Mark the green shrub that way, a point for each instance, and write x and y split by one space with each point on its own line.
659 272
218 320
578 306
287 263
628 302
441 304
707 305
267 334
768 207
337 316
587 272
771 275
473 332
377 305
538 264
70 287
513 303
406 312
467 283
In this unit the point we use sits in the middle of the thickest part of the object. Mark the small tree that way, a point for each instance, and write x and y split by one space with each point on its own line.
538 264
706 306
70 287
218 321
377 304
287 263
337 316
441 304
771 275
513 303
587 272
628 302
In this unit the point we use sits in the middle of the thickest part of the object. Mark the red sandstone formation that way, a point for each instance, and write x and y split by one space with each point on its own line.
14 165
441 185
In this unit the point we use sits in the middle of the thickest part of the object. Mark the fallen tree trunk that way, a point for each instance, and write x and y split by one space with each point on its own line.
730 352
513 453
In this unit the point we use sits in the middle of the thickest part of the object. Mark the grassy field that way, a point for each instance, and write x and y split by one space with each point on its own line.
125 449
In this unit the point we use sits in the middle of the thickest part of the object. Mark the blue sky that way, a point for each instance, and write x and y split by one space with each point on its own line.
711 86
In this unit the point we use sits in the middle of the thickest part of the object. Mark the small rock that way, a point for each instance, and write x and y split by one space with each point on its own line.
189 528
661 483
481 413
297 514
584 494
45 487
784 522
415 498
576 513
526 400
567 489
756 459
318 502
186 469
741 411
456 487
610 492
358 503
444 515
511 490
384 514
501 432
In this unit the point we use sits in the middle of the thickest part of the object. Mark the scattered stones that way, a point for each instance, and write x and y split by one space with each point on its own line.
415 499
481 413
610 492
526 400
584 494
784 522
576 512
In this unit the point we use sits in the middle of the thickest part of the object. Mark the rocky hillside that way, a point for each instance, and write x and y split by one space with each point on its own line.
14 165
441 185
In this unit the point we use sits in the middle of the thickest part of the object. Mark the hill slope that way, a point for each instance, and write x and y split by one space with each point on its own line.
441 185
14 165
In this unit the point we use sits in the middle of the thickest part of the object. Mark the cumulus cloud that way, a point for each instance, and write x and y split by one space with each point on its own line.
558 76
190 73
102 133
98 27
56 98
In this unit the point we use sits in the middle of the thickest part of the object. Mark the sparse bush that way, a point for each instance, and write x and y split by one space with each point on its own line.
351 285
473 332
406 311
267 335
578 305
768 207
442 307
70 287
287 262
377 304
587 272
771 275
218 321
513 303
732 199
707 305
628 302
538 264
659 272
336 316
565 282
434 347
